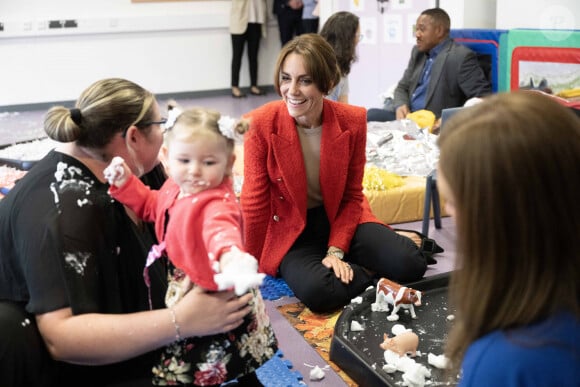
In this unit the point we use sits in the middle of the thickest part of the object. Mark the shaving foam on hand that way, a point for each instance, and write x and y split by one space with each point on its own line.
115 173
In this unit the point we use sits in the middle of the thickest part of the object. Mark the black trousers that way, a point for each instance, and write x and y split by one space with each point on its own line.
310 25
252 35
289 23
374 247
380 115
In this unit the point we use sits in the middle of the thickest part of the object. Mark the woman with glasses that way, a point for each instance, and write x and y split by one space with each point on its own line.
71 258
342 31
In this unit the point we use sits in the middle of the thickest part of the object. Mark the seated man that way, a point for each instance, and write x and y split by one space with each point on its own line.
441 73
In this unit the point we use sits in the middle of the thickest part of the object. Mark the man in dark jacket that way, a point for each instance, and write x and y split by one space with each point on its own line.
440 74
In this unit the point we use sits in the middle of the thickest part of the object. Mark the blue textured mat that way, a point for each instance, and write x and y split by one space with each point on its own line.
277 372
275 288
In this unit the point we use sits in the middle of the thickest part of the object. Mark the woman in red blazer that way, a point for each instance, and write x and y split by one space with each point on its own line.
306 217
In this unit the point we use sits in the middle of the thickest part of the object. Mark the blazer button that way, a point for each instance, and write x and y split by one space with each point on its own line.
279 179
281 197
276 218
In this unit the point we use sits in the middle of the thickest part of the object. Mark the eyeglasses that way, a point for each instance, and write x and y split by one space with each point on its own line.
162 122
360 37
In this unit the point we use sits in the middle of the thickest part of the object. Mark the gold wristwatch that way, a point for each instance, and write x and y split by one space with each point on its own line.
335 251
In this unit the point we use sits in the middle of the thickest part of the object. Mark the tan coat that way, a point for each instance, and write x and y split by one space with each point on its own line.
239 15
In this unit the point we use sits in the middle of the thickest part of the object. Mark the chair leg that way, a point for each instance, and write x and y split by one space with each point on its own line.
427 205
436 205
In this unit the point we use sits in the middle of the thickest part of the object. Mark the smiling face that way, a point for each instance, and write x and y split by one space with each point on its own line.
428 33
200 163
302 97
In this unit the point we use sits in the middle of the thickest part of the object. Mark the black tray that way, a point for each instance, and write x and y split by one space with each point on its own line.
359 354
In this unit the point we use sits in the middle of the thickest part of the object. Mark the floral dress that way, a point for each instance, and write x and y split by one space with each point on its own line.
213 360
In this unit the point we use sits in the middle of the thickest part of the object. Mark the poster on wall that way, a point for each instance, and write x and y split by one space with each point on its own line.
393 29
411 27
401 4
357 5
368 28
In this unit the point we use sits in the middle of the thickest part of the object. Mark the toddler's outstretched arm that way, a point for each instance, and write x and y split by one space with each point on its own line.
118 172
239 270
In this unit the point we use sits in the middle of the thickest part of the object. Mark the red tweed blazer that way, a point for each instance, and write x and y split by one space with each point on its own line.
273 195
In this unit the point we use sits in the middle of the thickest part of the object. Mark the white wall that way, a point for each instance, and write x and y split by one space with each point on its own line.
167 47
543 14
184 46
470 14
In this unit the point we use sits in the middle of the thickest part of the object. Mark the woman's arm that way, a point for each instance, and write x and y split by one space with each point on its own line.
97 339
344 224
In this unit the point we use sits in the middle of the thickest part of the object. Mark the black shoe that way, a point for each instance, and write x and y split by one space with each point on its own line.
238 93
428 246
254 90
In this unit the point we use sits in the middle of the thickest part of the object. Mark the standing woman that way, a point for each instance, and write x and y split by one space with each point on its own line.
342 31
306 217
508 170
310 19
247 24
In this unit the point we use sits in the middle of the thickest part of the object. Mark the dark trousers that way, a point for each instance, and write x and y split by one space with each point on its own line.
252 35
310 26
374 247
289 23
380 115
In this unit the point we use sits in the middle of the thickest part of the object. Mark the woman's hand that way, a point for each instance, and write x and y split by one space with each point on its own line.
202 313
341 268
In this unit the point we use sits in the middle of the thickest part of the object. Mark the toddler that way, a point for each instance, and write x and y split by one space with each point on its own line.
198 223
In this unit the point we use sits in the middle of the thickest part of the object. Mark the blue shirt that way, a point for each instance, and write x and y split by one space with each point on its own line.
543 354
419 94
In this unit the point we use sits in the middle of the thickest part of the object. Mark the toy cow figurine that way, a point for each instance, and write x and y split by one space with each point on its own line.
402 344
392 293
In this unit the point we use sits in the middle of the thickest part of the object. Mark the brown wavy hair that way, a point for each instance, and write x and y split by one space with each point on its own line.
340 31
